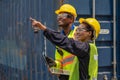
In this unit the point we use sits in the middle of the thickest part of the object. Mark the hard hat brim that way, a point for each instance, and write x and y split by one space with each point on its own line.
57 11
81 20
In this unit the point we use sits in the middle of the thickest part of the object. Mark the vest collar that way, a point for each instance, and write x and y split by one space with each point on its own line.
72 28
90 41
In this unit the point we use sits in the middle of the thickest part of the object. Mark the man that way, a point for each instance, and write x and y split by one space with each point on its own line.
66 15
82 45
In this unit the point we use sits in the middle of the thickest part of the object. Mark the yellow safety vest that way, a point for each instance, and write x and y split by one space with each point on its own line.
65 60
93 63
68 61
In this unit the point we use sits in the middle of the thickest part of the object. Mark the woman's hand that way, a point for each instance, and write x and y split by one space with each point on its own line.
37 24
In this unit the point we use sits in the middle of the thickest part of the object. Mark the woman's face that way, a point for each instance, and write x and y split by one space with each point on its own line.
81 33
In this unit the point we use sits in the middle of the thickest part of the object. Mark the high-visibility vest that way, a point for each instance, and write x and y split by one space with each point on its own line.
65 59
93 63
74 74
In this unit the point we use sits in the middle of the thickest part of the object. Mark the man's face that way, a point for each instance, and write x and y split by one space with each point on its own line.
64 19
81 33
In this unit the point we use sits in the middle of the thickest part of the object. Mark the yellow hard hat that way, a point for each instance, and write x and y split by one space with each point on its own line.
67 8
93 23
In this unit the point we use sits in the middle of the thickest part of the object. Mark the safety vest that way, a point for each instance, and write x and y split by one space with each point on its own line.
67 61
93 63
63 58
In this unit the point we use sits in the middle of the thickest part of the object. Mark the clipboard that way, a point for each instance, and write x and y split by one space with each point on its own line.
51 67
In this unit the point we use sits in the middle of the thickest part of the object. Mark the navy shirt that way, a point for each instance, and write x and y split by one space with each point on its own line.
72 28
80 49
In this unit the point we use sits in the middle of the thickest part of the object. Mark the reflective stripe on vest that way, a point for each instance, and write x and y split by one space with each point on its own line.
68 60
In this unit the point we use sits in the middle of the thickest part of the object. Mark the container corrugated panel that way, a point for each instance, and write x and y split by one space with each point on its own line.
20 49
118 39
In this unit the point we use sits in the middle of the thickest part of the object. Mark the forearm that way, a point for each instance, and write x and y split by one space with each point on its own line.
56 38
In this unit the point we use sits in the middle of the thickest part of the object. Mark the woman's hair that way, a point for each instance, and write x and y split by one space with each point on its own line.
89 28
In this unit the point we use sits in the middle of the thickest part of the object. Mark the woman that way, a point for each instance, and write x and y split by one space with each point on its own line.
82 46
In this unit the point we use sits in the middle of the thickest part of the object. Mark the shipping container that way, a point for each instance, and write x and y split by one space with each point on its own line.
118 38
21 49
